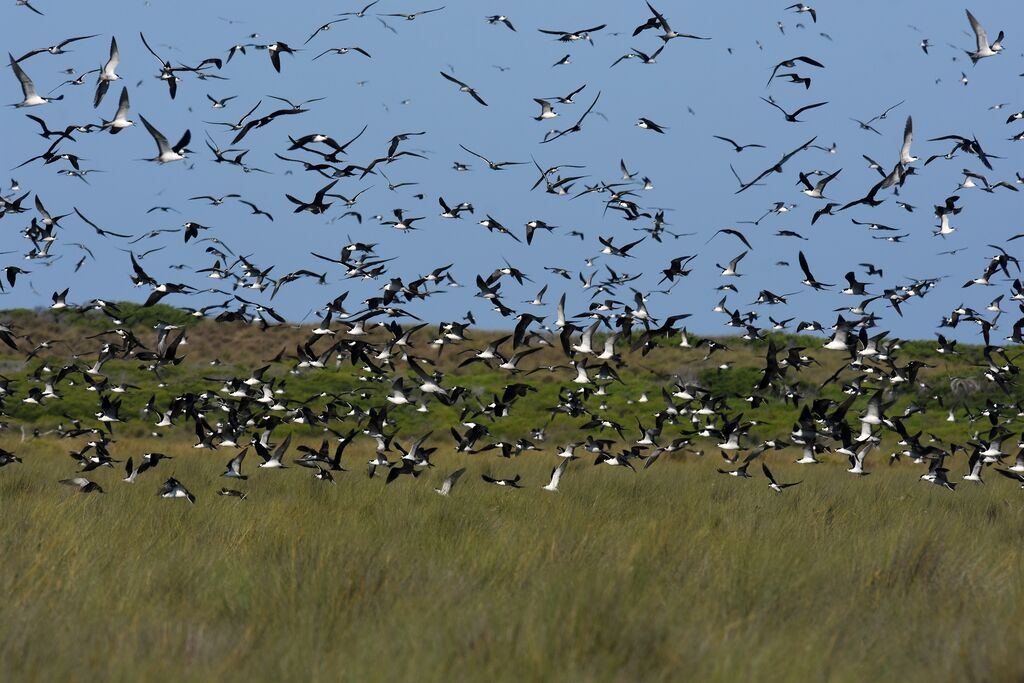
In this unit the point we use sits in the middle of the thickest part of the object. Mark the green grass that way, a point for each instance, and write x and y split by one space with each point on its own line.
672 573
238 348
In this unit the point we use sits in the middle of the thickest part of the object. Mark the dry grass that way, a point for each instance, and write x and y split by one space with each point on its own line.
675 572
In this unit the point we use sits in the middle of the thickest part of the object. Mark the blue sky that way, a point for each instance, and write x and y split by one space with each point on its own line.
696 89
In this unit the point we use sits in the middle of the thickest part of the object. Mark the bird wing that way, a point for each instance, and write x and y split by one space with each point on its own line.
236 462
908 138
729 140
183 141
449 482
28 88
475 96
808 60
454 80
596 98
322 192
556 474
809 106
122 106
804 267
115 57
776 106
161 142
979 32
146 43
478 156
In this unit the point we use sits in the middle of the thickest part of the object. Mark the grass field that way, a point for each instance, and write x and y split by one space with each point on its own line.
672 573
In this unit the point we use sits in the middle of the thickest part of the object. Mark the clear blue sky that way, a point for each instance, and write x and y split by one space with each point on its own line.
696 89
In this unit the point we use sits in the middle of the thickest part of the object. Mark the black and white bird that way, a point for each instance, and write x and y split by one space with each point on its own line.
165 152
741 471
817 191
983 48
343 51
801 8
30 97
857 459
908 139
172 488
275 50
464 88
735 145
83 485
546 110
56 48
792 64
273 460
120 120
508 483
573 36
772 484
809 279
792 117
234 466
108 73
500 19
647 124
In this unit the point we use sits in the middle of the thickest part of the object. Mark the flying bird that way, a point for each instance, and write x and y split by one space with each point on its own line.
108 73
792 64
464 88
165 152
573 36
30 98
449 482
983 48
792 118
772 484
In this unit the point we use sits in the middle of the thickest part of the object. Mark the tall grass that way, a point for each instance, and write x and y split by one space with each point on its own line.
673 573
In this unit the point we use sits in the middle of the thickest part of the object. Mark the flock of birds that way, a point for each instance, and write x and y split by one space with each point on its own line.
380 336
